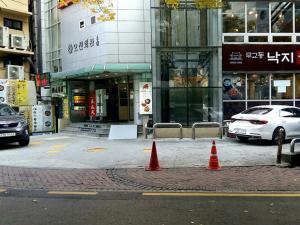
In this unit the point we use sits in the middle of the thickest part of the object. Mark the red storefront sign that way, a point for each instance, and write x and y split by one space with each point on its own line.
261 57
92 104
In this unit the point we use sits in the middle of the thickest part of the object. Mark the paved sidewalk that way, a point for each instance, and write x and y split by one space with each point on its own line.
231 179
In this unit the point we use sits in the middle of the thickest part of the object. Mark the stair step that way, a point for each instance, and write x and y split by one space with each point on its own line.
85 133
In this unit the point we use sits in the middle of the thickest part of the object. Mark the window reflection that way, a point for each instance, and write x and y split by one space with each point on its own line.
258 17
258 87
282 17
282 86
234 18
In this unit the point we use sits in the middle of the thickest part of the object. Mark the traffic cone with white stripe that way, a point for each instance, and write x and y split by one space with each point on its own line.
213 161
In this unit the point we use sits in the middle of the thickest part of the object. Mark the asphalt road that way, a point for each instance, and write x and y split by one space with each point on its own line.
117 208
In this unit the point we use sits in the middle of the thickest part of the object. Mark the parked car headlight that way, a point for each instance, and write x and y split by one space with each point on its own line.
22 123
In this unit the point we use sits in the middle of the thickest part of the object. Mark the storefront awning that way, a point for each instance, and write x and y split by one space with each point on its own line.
101 69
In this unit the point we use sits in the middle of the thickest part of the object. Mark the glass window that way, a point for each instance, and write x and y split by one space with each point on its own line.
297 17
286 112
282 39
296 112
297 86
194 28
258 17
258 39
257 103
198 69
234 87
234 39
54 17
6 110
282 17
177 70
54 38
234 18
201 106
258 87
258 111
178 105
282 86
178 27
232 108
289 103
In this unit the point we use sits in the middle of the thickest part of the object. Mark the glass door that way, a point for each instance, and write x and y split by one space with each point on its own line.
123 102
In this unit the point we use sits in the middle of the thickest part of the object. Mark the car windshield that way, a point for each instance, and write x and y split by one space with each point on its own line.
5 110
257 111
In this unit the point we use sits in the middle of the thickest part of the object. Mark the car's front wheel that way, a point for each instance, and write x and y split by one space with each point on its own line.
24 142
275 137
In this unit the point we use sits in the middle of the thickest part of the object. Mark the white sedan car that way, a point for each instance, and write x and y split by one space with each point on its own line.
264 122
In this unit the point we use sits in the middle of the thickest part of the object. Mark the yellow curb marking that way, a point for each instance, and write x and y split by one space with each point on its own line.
36 143
2 190
54 151
147 149
71 193
185 194
58 146
95 149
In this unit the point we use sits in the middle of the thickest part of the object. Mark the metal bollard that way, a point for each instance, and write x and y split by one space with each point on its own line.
279 142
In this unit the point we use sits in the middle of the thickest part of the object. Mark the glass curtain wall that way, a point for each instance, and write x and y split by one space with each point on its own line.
261 22
53 36
186 47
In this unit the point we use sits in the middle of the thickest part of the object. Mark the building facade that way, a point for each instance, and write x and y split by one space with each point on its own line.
102 64
187 66
15 44
260 54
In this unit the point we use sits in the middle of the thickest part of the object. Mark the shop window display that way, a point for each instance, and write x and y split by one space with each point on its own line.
234 87
258 87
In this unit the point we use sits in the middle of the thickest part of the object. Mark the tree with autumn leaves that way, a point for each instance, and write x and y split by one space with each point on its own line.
104 8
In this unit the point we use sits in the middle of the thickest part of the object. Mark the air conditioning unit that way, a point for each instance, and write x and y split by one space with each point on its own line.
18 41
15 72
4 36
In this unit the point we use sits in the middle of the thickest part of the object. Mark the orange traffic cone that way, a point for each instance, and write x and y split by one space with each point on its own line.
213 161
153 165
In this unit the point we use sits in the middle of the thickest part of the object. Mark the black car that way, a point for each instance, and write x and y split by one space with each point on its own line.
13 127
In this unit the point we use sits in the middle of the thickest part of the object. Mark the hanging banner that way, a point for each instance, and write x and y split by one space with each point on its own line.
22 93
92 104
145 90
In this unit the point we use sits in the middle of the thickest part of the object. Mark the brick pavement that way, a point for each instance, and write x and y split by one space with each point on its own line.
232 179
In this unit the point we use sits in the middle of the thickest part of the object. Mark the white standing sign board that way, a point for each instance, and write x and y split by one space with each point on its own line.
145 98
